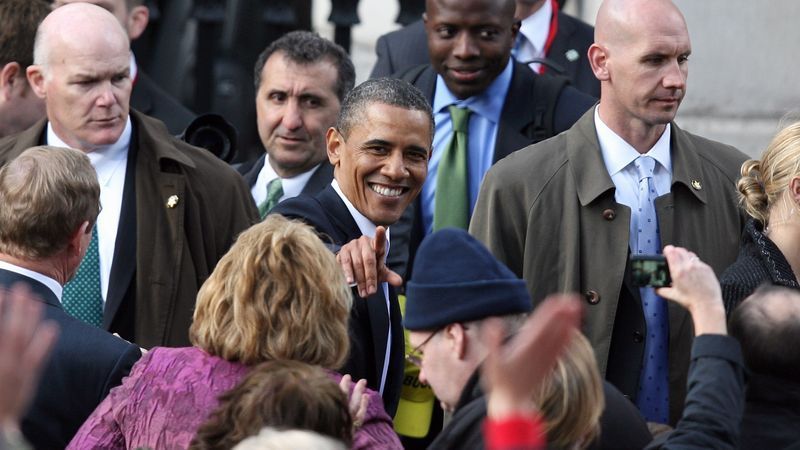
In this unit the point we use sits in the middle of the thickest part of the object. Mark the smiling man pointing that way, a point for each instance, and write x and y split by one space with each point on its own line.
379 150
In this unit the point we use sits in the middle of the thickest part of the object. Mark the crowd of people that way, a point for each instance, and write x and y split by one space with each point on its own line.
433 258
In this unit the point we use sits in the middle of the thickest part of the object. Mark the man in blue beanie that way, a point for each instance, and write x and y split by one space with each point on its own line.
455 287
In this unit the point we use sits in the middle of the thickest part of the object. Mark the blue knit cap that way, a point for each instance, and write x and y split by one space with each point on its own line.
456 279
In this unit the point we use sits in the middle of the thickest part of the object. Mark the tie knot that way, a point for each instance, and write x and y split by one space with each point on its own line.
460 118
645 165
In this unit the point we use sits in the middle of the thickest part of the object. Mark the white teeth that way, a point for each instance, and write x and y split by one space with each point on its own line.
385 191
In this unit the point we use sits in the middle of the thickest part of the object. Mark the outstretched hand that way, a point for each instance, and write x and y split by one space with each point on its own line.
512 372
363 263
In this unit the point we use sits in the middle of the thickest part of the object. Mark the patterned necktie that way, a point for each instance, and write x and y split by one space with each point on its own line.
451 200
274 193
82 297
653 396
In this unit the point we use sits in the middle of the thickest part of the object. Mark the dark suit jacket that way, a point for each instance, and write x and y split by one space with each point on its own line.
408 47
148 98
155 277
84 365
369 323
515 131
321 177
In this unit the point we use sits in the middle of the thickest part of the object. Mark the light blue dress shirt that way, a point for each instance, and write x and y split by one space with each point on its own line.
486 108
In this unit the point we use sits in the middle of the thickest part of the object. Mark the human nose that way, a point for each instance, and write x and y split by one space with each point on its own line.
292 116
465 46
675 77
394 167
106 96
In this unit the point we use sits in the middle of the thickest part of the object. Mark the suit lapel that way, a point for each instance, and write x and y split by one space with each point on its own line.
251 175
562 44
319 179
376 303
123 266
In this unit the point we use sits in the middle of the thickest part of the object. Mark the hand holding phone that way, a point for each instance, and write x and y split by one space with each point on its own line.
650 270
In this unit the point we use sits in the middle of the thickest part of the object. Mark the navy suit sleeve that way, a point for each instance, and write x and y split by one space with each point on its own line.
715 398
121 368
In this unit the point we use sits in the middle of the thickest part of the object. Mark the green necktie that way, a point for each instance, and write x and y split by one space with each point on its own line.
82 297
451 200
274 193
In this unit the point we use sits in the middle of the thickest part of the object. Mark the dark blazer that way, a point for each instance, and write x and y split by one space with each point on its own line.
150 99
85 364
515 131
408 47
369 322
321 177
155 277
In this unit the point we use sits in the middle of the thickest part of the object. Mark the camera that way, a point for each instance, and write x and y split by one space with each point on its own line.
650 270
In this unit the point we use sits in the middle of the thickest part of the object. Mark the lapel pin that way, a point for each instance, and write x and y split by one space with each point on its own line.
572 55
696 185
173 200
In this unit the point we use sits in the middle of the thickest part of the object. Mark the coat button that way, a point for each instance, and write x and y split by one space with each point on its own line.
637 337
609 214
592 297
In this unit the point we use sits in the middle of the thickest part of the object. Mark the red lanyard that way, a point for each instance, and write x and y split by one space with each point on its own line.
551 35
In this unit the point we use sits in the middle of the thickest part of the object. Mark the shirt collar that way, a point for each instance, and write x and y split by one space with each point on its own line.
536 27
51 284
134 68
365 225
292 187
488 104
618 154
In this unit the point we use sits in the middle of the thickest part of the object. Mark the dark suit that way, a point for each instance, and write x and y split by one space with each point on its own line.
84 365
369 324
321 177
514 131
408 47
156 275
148 98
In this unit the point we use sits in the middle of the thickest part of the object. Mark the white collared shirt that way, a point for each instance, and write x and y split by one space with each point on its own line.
292 187
368 228
535 29
111 163
619 156
51 284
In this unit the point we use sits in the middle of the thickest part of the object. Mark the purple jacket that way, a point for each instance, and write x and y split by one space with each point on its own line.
170 393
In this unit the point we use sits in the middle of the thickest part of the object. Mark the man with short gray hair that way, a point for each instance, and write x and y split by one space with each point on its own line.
51 199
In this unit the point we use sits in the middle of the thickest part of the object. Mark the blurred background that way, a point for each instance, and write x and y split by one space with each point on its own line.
741 77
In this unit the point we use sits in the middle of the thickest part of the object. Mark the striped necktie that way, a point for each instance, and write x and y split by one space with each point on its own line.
274 193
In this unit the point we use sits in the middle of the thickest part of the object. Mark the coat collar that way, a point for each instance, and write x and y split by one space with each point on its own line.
592 180
157 129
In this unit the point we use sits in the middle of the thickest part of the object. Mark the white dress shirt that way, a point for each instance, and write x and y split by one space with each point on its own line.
533 32
619 156
111 163
292 187
368 228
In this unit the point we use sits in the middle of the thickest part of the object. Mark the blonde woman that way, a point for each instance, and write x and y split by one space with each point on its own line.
769 191
278 294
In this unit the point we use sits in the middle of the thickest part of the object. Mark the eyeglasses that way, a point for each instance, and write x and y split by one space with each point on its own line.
415 355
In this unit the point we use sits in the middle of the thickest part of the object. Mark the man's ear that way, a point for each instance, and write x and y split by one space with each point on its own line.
10 79
335 144
37 80
456 336
75 245
598 58
138 18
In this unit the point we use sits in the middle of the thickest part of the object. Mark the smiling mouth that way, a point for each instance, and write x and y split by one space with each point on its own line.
387 191
465 74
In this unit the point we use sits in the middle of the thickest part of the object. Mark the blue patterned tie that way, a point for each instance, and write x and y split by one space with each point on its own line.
653 396
82 297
